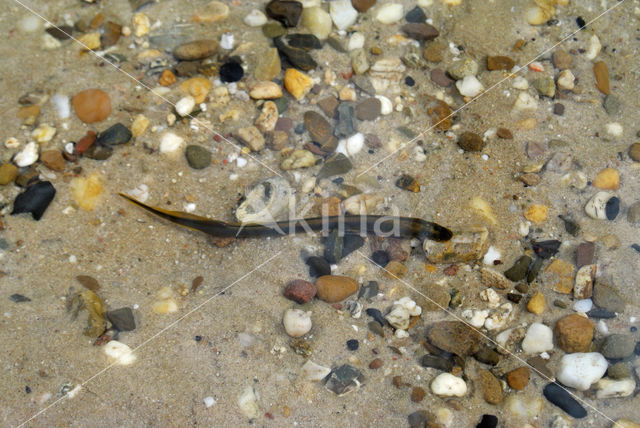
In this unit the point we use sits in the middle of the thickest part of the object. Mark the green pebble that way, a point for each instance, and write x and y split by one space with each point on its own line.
273 29
198 157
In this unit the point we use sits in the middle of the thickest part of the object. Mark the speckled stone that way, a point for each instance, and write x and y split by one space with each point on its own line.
197 156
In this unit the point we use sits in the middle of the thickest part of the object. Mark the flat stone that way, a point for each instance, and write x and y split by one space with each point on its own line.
617 346
545 86
344 379
500 63
470 142
633 213
92 105
318 266
585 254
329 106
488 356
320 130
574 333
454 337
560 274
434 52
298 57
368 109
346 126
122 319
364 84
420 31
436 362
561 398
601 74
251 137
198 49
198 157
336 164
334 288
634 152
285 11
612 105
519 270
268 66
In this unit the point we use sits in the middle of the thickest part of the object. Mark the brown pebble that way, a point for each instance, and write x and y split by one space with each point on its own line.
434 52
167 78
585 253
470 142
499 63
362 5
84 143
504 133
530 179
417 394
519 378
574 333
634 152
8 173
329 106
334 288
300 291
409 183
490 386
558 109
420 31
197 281
320 130
440 78
561 59
451 270
53 160
395 270
92 105
397 382
110 34
88 282
375 364
199 49
602 77
369 109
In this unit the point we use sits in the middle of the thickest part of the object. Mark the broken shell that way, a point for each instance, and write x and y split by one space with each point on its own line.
265 202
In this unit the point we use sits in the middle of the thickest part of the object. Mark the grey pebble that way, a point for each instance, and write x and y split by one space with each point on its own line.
197 156
618 346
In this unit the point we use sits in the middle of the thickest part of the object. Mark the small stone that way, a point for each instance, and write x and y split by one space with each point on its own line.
580 370
265 90
35 199
612 105
53 160
417 394
585 277
584 254
419 418
199 49
536 304
545 86
395 270
369 109
389 13
231 72
618 346
297 83
434 53
519 378
469 86
448 385
488 421
454 337
120 353
318 266
470 142
122 319
344 379
333 288
114 135
62 32
92 105
297 322
538 339
558 109
169 143
596 207
536 213
463 68
421 31
467 244
141 24
363 5
19 298
488 356
633 214
601 74
255 18
607 179
634 152
320 130
285 11
435 362
525 102
8 173
273 29
346 125
375 364
612 208
519 270
268 65
440 78
336 164
504 133
561 59
167 78
317 21
619 371
490 387
500 63
561 398
409 183
574 333
299 158
329 106
251 137
214 11
88 41
266 122
609 388
197 156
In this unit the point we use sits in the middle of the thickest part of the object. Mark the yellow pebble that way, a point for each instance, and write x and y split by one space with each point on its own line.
297 83
90 41
139 125
483 208
607 179
536 213
536 303
165 306
86 191
197 87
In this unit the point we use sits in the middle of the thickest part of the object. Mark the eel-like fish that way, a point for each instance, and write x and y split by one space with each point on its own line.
399 227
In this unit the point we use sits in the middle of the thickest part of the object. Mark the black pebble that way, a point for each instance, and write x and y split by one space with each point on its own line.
122 319
19 298
351 243
368 291
318 266
27 389
416 15
601 313
514 297
35 199
580 21
114 135
558 109
561 398
488 421
338 180
546 249
198 338
636 350
380 257
612 208
418 419
633 329
299 129
353 344
376 315
231 72
636 247
409 81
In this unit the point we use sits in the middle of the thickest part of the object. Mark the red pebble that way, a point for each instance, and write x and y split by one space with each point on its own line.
84 143
451 270
300 291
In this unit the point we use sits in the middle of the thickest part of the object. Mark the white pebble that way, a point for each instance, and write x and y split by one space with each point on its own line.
43 133
120 353
525 102
596 207
470 86
185 105
583 306
226 41
448 385
140 193
342 13
389 13
248 403
62 105
490 296
314 372
539 338
523 228
12 143
401 312
476 317
602 328
356 41
208 401
255 18
580 370
386 106
171 143
310 3
425 3
611 388
30 23
614 129
594 47
491 256
27 156
355 143
296 322
241 162
566 80
520 82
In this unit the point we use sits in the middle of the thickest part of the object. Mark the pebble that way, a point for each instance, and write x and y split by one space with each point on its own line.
409 183
596 207
525 102
415 15
467 244
92 105
463 68
197 156
583 306
185 105
401 312
421 31
585 253
344 379
62 104
285 11
196 50
612 105
537 213
346 126
584 282
43 133
418 419
299 158
490 386
231 72
561 398
617 346
320 130
610 388
376 363
268 65
333 288
536 304
436 362
369 109
538 339
297 322
297 83
248 403
561 59
268 118
488 421
336 164
122 319
317 21
170 143
614 129
27 156
574 333
251 137
114 135
518 378
469 86
53 160
386 105
440 78
545 86
633 214
619 371
314 372
120 353
634 152
448 385
607 179
35 199
470 142
8 173
500 63
255 18
566 80
454 337
580 370
318 266
519 270
601 74
342 13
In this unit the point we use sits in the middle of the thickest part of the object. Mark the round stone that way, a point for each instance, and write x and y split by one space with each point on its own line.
92 105
231 72
634 152
197 156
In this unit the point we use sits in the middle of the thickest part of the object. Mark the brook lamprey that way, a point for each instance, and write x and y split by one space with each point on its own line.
399 227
